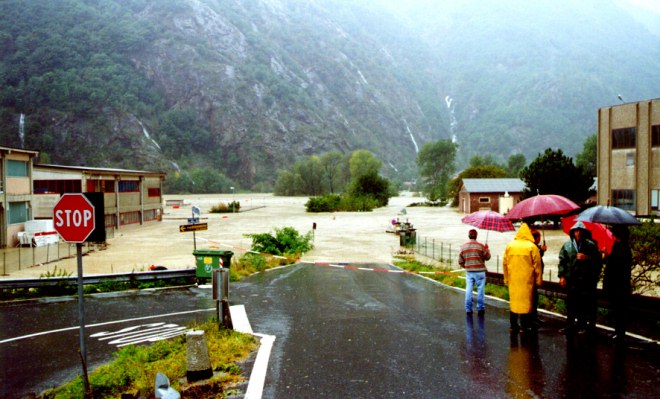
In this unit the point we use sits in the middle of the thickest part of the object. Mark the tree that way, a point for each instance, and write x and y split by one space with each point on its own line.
371 185
436 163
334 175
645 241
515 164
554 173
586 160
362 163
483 160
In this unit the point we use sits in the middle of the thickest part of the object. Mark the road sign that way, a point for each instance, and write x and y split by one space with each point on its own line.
73 217
193 227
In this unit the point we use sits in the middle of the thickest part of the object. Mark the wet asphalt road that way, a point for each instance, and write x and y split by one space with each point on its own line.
345 333
34 364
348 333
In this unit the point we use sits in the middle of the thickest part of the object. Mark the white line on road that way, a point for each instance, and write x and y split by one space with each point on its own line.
4 341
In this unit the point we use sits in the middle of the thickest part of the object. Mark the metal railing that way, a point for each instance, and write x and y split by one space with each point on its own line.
17 283
19 258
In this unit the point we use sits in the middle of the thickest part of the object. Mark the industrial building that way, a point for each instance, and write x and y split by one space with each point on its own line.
29 191
629 157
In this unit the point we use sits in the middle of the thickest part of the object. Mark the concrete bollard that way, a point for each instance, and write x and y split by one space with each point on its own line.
199 363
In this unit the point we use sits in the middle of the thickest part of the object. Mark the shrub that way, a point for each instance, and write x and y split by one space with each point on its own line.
645 241
222 207
325 203
287 241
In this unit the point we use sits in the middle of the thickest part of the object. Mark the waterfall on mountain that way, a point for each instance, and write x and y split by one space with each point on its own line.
21 129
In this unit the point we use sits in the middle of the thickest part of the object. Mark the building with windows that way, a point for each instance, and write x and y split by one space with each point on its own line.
15 192
629 157
29 191
498 195
130 196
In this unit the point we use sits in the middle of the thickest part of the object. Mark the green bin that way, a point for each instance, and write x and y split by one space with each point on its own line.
407 238
209 259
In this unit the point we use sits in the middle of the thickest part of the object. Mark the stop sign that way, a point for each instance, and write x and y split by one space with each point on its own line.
74 217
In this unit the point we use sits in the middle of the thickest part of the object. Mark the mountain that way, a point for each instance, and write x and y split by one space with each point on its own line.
244 87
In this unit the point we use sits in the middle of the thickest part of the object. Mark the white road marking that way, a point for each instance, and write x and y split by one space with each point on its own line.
107 323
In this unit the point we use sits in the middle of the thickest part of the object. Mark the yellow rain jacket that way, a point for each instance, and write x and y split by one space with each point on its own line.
522 270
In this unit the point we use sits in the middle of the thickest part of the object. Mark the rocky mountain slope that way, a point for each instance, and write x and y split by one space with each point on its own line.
247 87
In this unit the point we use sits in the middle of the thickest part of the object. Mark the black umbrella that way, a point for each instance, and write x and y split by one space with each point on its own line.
607 215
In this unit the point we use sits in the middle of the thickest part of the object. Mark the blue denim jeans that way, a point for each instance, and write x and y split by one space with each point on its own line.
472 279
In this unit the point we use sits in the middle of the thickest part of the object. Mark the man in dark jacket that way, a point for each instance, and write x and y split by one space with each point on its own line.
616 282
580 264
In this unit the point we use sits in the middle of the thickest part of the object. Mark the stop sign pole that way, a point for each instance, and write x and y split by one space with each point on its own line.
74 221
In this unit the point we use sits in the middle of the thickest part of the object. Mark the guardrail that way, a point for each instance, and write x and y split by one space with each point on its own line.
640 304
96 279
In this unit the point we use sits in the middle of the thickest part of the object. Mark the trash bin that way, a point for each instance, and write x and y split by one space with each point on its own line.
407 238
209 259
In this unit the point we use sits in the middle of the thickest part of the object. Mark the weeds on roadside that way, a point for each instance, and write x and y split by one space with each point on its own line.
134 368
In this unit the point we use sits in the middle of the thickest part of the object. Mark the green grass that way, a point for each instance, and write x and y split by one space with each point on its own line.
134 368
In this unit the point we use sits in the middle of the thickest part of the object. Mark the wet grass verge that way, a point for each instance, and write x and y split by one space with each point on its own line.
132 372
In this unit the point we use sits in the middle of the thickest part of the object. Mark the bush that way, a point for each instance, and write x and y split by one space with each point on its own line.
222 207
287 241
645 241
326 203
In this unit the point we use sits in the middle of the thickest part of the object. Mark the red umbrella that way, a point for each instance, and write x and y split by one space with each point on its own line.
488 220
599 232
542 205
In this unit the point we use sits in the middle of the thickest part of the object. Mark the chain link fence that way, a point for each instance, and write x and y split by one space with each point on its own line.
24 257
447 254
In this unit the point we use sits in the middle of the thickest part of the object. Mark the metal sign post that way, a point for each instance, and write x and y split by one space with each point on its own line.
75 221
221 296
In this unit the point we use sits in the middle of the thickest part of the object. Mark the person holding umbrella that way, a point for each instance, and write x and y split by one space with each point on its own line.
616 282
472 258
522 273
580 264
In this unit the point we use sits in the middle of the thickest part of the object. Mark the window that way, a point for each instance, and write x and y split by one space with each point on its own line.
630 159
18 212
17 168
57 186
655 200
128 186
624 138
655 136
484 200
100 186
154 192
624 199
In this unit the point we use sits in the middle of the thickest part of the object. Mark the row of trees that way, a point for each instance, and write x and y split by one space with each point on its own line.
356 175
549 173
346 182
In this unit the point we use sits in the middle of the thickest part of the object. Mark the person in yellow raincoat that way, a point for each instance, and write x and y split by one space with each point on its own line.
522 271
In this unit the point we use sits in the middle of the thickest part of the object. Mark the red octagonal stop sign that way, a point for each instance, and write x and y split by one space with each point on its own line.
73 216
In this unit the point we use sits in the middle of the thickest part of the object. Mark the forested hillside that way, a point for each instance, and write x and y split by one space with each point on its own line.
230 90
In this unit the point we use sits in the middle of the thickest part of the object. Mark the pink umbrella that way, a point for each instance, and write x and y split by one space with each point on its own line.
542 205
488 220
